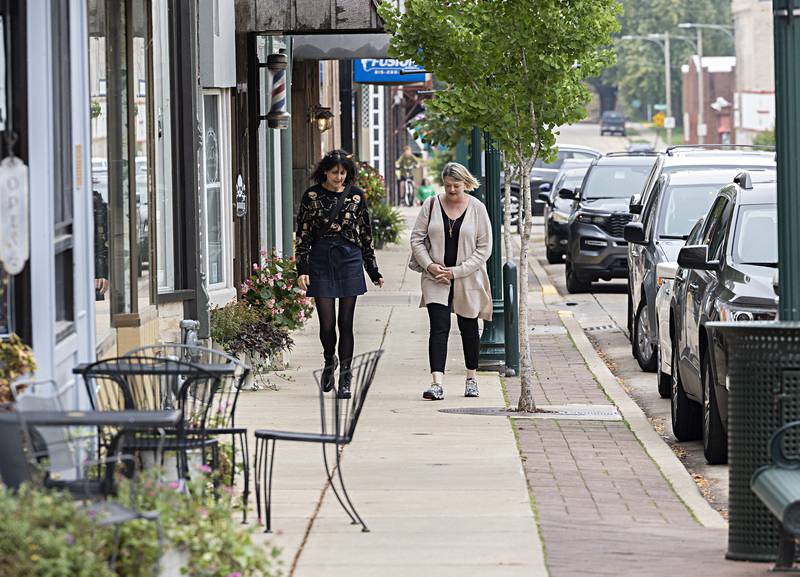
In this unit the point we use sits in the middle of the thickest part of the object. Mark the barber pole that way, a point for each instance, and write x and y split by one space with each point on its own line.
277 116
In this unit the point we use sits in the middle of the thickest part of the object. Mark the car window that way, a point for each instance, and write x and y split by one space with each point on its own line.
556 164
756 235
581 154
713 219
650 208
718 238
683 205
608 181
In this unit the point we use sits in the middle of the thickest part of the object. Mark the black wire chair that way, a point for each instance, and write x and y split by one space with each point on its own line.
153 384
222 420
58 457
339 418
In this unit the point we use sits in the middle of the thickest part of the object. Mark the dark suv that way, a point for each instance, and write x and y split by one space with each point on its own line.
683 159
612 122
675 204
557 209
596 248
729 276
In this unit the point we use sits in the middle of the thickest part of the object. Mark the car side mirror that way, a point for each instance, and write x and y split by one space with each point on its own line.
568 194
696 257
634 233
543 197
545 187
634 206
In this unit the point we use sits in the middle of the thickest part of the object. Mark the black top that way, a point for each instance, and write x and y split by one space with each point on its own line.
352 223
452 228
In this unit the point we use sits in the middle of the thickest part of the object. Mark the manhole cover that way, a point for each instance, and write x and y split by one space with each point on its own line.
548 330
600 328
560 412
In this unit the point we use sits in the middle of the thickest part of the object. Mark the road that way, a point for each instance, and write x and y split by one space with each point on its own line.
602 313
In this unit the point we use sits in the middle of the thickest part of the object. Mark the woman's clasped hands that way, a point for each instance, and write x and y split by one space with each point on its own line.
441 273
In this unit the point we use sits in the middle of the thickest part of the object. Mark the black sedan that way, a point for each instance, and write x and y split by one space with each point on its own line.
557 211
729 276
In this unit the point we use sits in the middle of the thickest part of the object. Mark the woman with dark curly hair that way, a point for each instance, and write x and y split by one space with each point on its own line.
333 243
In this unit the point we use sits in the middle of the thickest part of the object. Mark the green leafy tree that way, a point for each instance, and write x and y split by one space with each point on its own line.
505 78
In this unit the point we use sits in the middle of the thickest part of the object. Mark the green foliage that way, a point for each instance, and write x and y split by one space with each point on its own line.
766 138
387 222
517 85
46 534
241 329
272 291
440 157
16 360
639 74
94 109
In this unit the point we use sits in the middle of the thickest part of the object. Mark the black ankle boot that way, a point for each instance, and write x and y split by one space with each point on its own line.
327 373
345 378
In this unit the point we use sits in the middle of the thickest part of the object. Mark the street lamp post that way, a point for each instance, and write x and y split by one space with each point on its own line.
701 126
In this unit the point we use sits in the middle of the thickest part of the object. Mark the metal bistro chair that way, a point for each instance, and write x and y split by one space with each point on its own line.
58 457
339 418
152 384
223 414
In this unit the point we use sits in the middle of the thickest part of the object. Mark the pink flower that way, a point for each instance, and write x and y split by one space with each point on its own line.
255 266
174 485
278 276
302 315
263 252
235 573
205 469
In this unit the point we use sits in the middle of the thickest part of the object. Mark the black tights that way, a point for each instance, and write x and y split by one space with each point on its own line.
326 310
440 330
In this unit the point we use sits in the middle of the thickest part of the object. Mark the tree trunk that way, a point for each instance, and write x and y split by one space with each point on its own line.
526 403
508 174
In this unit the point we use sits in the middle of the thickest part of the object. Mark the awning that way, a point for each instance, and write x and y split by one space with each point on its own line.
340 46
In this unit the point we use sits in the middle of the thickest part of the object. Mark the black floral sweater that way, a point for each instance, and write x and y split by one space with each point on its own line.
353 223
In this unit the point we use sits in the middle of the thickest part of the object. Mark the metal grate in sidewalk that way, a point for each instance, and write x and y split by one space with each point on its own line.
560 412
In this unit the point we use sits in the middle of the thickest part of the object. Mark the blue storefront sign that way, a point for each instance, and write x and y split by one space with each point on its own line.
387 71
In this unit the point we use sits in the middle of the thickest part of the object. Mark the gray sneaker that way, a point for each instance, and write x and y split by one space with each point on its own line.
434 393
471 388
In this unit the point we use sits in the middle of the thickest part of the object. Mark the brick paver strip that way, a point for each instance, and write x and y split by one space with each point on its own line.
604 507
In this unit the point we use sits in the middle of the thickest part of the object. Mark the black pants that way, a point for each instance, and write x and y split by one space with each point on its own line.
439 316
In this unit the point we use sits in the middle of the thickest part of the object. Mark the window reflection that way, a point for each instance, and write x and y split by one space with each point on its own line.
142 160
214 224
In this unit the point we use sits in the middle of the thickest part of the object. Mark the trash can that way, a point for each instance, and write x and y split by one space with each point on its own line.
763 378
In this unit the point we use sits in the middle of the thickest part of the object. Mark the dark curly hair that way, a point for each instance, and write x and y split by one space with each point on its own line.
329 161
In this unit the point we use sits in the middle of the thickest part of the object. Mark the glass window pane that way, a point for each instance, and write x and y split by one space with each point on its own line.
162 102
214 224
141 132
3 112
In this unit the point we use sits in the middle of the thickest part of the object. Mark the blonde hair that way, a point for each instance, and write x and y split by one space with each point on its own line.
459 172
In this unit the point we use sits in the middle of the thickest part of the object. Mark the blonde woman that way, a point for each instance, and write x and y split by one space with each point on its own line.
451 242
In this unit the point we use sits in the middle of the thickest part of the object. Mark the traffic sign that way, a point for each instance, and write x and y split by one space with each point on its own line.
658 119
702 129
659 106
669 122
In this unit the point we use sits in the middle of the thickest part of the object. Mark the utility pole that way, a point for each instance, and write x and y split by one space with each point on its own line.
668 87
701 124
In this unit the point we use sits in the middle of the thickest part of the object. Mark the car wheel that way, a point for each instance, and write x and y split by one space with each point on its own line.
664 379
686 425
715 441
644 349
574 283
554 257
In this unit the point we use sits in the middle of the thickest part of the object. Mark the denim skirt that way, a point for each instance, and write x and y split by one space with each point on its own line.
337 269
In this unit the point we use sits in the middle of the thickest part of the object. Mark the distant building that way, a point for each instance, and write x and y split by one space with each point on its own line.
754 99
719 79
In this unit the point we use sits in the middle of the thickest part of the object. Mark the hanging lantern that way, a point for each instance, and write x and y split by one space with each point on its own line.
277 116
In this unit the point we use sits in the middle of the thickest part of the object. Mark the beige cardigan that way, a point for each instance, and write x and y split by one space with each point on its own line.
472 296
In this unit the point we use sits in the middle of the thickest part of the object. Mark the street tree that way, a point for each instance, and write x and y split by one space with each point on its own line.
516 69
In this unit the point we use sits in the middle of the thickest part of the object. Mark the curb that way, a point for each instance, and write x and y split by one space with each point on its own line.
671 467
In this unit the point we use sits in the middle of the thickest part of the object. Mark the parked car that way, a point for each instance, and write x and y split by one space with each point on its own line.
546 171
665 278
727 275
612 122
677 201
596 248
692 158
640 147
557 209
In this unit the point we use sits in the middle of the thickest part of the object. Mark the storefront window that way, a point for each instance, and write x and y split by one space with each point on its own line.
3 111
5 303
214 209
122 157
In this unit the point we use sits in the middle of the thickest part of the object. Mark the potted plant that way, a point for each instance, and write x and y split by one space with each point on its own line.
16 360
387 222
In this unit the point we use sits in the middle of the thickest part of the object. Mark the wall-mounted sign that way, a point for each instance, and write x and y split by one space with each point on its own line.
387 71
241 197
14 242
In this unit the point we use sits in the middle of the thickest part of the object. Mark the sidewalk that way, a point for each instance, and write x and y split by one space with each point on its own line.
443 494
604 504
